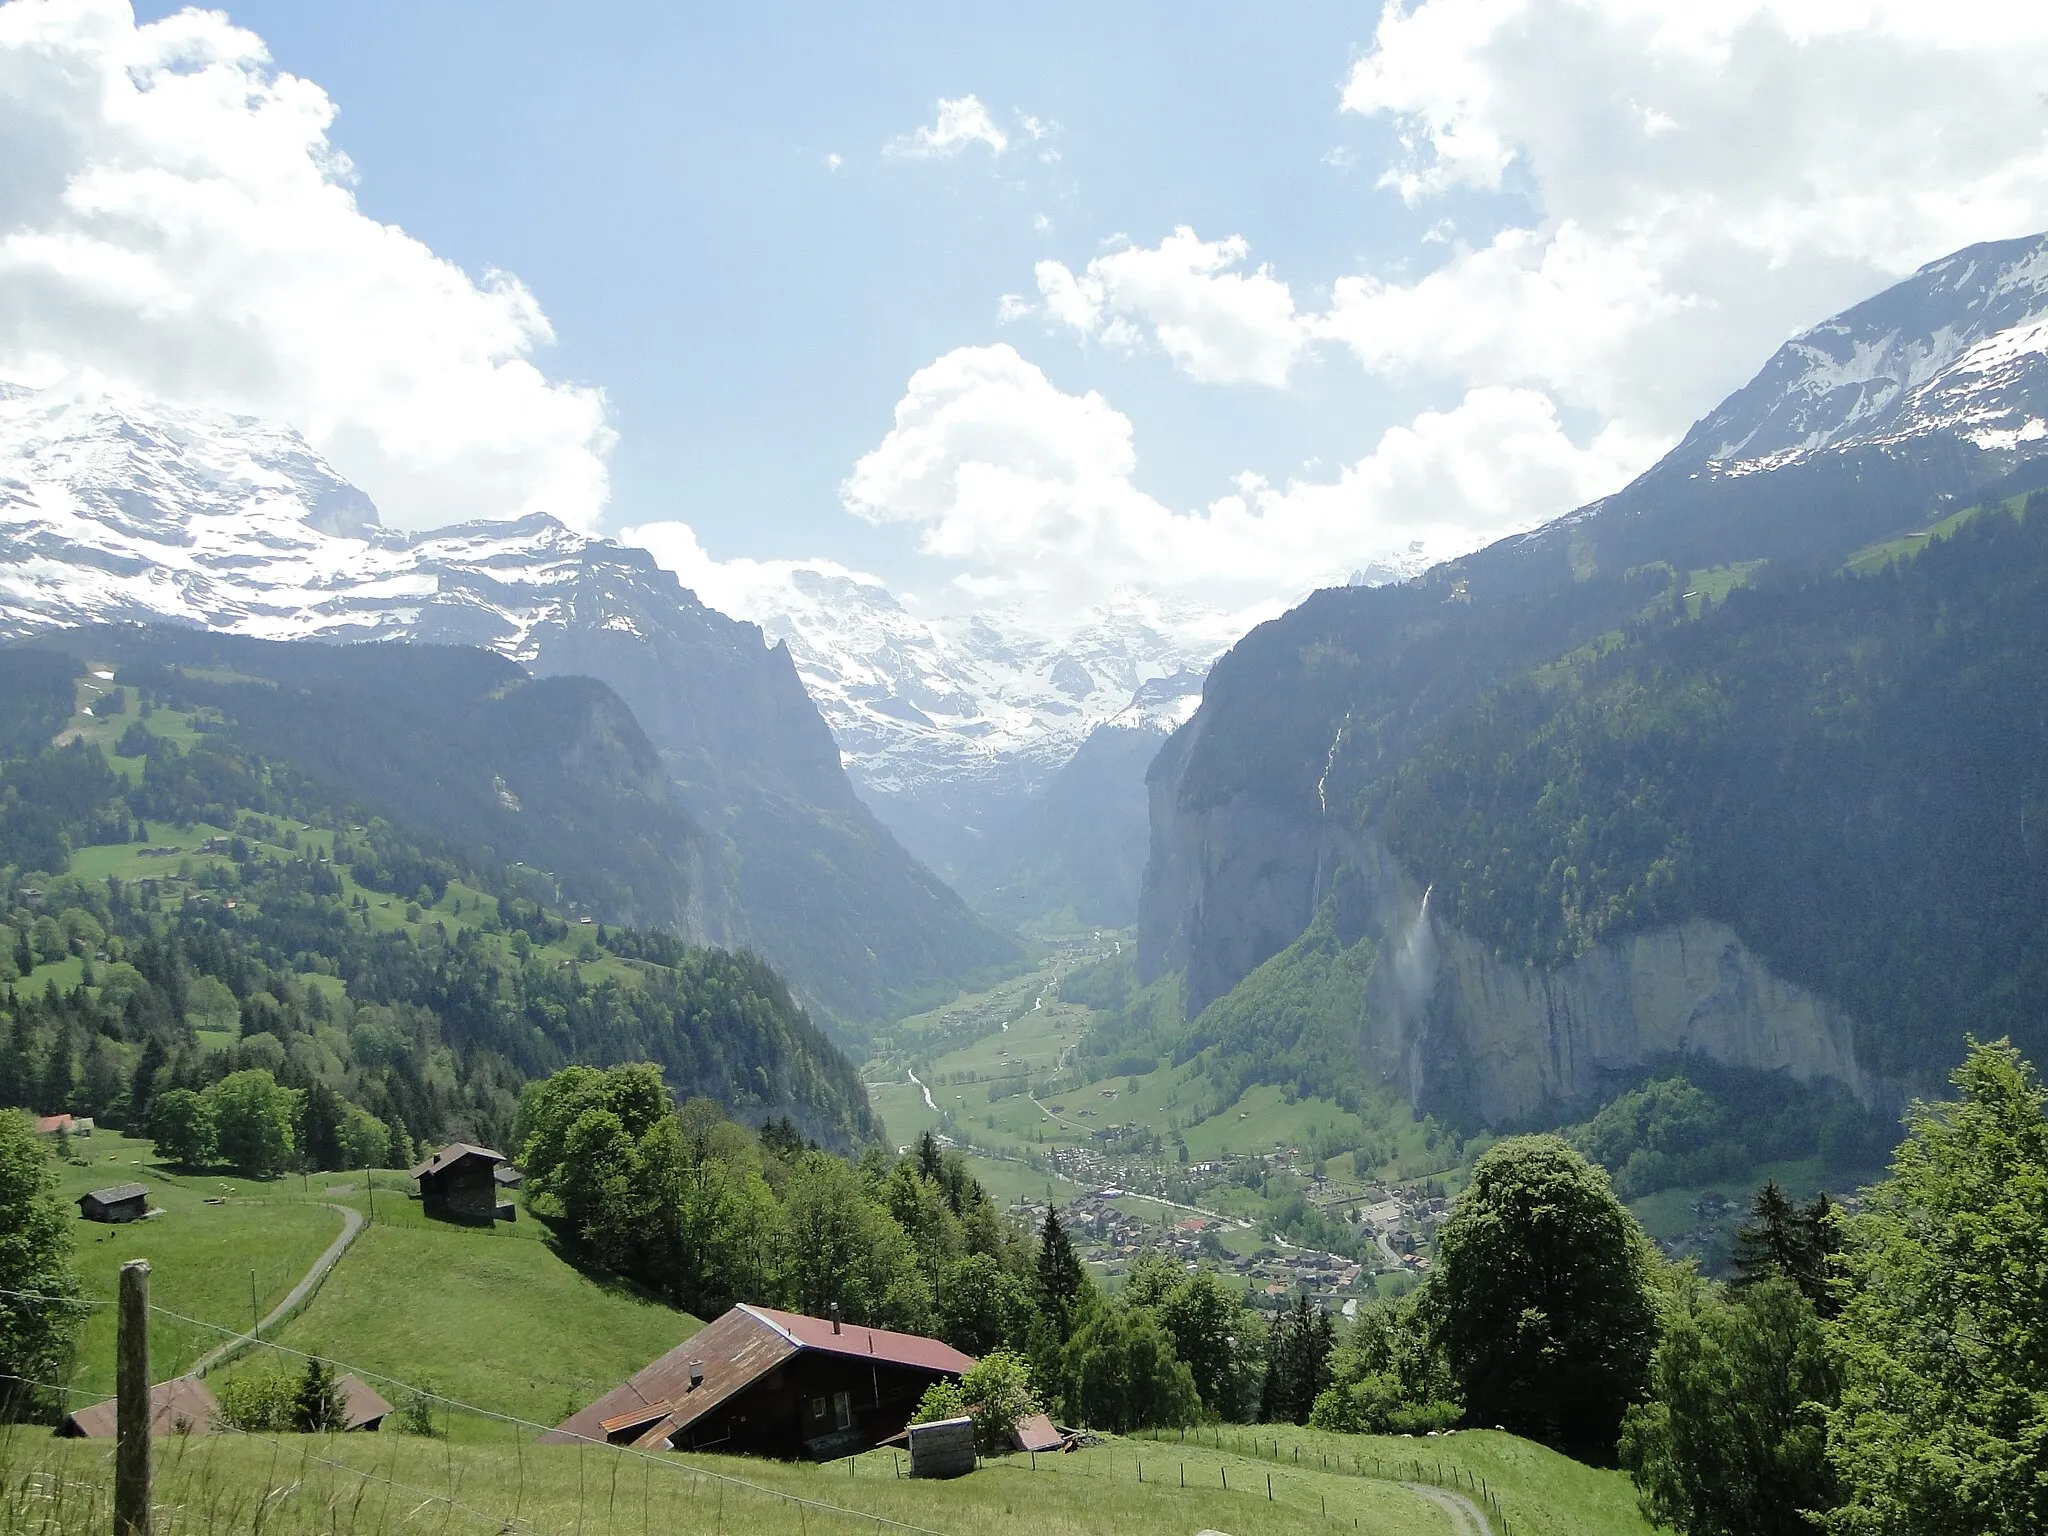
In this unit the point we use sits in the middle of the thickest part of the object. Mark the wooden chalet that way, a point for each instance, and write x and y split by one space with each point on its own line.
183 1406
762 1382
459 1183
117 1202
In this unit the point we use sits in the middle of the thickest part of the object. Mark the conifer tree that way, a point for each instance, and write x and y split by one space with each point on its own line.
319 1408
1061 1279
1770 1243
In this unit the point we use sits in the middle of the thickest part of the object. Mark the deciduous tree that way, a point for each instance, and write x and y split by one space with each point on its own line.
1541 1299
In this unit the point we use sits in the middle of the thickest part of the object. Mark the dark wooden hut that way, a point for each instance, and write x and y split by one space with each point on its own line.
117 1202
459 1183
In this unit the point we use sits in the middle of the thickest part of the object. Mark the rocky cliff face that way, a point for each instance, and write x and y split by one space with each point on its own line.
1925 399
1485 1041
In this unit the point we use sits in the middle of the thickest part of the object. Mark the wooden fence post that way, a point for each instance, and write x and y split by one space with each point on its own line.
131 1410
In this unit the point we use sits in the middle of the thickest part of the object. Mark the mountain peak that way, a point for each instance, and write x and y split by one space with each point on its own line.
1954 349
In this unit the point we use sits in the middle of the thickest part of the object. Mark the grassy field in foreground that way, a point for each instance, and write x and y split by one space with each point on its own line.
489 1317
370 1485
1540 1492
203 1258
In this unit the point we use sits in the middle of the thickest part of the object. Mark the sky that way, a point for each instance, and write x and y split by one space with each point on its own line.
1011 307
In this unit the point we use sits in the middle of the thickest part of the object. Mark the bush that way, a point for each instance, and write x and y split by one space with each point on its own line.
1377 1405
941 1400
260 1401
998 1392
415 1415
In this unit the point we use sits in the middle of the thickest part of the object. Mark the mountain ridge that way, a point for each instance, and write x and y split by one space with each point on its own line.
1309 712
115 510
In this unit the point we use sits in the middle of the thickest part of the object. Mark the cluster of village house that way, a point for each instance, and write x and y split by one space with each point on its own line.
1400 1222
755 1381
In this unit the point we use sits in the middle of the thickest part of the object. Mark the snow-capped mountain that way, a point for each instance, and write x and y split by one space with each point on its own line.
948 724
1954 349
114 509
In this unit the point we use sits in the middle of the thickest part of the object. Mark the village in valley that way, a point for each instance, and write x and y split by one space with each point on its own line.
1003 1077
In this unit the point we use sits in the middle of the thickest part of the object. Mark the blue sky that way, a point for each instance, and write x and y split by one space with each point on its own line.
1218 302
658 176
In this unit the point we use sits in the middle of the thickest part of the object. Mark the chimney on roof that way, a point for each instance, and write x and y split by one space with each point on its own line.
835 1317
696 1374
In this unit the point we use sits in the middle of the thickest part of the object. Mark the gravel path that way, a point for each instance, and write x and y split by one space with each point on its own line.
351 1224
1466 1520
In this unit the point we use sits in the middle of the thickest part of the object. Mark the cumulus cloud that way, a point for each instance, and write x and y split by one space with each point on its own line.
174 218
963 121
1030 492
741 587
1220 325
1704 179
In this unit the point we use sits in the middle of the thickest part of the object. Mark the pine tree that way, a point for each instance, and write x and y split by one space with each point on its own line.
142 1084
1819 1241
319 1408
1061 1279
1277 1391
1770 1244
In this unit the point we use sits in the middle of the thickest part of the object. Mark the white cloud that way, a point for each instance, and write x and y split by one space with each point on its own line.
1704 179
741 587
174 218
1220 325
962 121
1030 492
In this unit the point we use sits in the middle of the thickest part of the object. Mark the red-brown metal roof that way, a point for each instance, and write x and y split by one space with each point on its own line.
1035 1432
868 1343
732 1353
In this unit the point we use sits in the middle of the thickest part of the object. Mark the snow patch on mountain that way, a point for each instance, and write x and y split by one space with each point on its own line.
115 508
1954 349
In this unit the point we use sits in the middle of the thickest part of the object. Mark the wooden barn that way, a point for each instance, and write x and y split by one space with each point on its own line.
183 1406
117 1202
459 1183
363 1407
762 1382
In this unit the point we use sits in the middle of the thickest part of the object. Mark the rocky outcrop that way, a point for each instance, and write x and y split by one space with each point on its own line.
1227 886
1494 1042
1464 1033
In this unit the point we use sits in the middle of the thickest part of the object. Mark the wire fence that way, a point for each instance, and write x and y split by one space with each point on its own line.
531 1493
1434 1472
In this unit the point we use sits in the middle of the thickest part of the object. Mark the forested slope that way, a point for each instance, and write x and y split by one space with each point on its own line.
1846 770
181 904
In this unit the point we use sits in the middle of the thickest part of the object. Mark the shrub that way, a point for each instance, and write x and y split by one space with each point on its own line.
941 1400
259 1401
998 1392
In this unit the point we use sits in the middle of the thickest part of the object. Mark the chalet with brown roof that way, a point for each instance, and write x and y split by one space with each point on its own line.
758 1381
459 1183
183 1406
